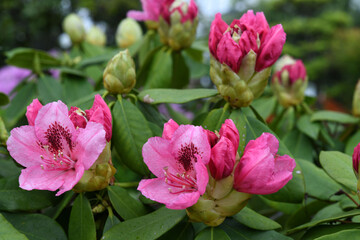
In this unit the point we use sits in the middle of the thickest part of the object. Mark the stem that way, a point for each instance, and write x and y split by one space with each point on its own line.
357 205
306 108
126 184
105 94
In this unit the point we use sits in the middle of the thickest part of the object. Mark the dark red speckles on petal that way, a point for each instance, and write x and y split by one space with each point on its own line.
56 135
186 155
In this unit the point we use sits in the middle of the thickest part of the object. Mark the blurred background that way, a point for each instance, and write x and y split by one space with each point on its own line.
325 34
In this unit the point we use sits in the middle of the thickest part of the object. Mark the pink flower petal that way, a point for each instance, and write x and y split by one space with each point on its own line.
79 120
256 23
32 111
90 144
169 129
271 47
222 159
355 158
157 190
230 131
157 156
248 42
23 147
217 29
202 176
229 52
138 15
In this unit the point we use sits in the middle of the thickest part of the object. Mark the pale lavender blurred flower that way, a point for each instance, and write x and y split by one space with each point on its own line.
177 108
10 77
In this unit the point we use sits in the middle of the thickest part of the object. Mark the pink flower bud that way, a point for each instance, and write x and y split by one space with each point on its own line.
261 170
355 158
151 11
32 111
187 12
169 129
229 131
213 139
296 71
78 117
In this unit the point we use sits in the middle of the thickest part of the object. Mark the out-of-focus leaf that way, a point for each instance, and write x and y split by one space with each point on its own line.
49 89
306 126
334 117
76 88
180 72
212 233
339 166
353 141
155 96
125 205
147 227
299 145
36 226
254 220
7 231
4 99
81 223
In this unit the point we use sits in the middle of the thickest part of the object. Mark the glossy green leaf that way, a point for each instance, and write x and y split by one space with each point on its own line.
110 222
216 118
353 141
81 223
4 99
76 89
254 220
212 233
36 226
8 167
180 72
13 198
26 57
130 132
299 145
264 106
17 107
294 190
49 89
147 227
339 166
182 231
7 231
322 230
318 183
125 205
306 126
334 117
55 211
155 96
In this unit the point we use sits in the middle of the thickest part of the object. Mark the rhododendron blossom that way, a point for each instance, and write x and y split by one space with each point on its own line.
53 149
151 11
261 170
178 160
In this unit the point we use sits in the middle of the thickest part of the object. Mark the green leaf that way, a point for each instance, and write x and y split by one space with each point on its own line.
237 231
299 145
329 219
294 190
334 117
182 231
321 230
212 233
98 59
180 71
81 223
339 166
26 57
147 227
264 106
254 220
17 107
49 89
307 127
353 141
36 226
7 231
8 168
216 118
13 198
4 99
130 132
239 120
155 96
318 183
55 211
76 89
125 205
110 222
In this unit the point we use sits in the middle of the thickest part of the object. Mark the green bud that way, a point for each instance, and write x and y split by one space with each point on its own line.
74 27
232 203
203 211
119 75
96 37
356 100
128 32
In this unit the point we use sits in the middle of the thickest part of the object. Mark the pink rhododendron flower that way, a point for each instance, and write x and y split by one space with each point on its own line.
10 77
178 161
261 170
296 71
151 11
230 44
223 152
187 12
54 152
355 158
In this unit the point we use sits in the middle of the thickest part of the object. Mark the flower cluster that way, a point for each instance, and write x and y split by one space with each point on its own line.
183 156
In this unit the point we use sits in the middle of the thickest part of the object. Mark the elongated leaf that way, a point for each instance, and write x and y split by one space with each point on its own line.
110 222
155 96
212 233
147 227
182 231
76 88
294 190
316 177
253 220
216 118
49 89
240 122
334 117
264 106
307 127
321 230
339 166
4 99
130 133
7 231
26 57
353 141
55 211
12 198
299 145
180 71
8 168
125 205
81 225
36 226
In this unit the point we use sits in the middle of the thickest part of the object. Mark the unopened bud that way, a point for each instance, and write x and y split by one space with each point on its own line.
74 27
119 75
128 32
96 37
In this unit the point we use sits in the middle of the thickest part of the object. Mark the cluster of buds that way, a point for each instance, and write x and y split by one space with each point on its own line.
289 81
128 32
242 55
202 172
119 75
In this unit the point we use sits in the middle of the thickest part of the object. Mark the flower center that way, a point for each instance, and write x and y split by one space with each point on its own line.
186 155
180 183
